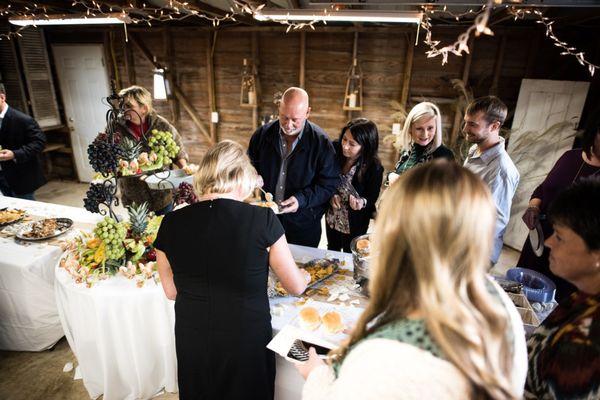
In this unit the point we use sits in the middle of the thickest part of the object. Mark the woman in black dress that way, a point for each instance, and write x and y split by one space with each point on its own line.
213 259
353 205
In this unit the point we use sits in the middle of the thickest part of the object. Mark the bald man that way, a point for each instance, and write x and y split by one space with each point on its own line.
296 160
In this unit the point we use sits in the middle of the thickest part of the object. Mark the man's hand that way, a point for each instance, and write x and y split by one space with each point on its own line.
289 206
336 201
531 217
313 362
6 155
356 203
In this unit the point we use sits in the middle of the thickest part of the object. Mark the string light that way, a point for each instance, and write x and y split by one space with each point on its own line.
460 46
172 11
566 49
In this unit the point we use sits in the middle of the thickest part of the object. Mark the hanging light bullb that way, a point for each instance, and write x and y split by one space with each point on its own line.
248 90
353 99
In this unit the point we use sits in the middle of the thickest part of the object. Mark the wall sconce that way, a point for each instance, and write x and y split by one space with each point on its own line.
160 89
248 97
353 98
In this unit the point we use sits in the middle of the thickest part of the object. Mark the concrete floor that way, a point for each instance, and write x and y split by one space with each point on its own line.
33 376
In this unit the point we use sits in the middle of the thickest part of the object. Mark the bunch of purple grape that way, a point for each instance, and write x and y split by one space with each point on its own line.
103 155
185 194
97 194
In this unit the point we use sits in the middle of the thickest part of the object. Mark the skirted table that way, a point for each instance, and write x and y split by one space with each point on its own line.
28 315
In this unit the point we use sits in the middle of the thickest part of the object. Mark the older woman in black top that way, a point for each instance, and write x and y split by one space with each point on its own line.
353 205
213 260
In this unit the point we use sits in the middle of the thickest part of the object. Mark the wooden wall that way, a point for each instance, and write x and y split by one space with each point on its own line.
497 65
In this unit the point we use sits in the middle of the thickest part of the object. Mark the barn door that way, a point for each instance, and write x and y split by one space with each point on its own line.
544 126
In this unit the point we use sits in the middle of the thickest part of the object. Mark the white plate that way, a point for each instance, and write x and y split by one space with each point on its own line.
168 179
536 239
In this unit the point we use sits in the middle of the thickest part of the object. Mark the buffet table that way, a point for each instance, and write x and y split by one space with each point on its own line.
123 336
28 315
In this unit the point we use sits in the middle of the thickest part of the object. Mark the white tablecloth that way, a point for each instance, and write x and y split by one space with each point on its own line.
123 336
28 315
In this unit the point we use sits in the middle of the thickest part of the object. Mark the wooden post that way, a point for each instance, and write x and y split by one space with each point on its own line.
354 56
129 63
302 81
171 71
498 65
256 67
465 78
210 75
187 106
408 66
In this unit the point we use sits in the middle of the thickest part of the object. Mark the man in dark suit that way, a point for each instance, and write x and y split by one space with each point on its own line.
296 161
21 142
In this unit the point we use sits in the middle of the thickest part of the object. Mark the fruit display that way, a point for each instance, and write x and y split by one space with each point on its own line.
185 194
97 194
104 156
163 145
123 248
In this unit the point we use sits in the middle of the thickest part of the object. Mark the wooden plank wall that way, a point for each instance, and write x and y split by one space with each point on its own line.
381 52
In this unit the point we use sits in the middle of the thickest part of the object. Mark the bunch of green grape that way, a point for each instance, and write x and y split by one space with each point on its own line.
112 234
164 146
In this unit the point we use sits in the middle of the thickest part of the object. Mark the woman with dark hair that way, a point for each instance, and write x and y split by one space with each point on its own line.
353 205
570 167
564 352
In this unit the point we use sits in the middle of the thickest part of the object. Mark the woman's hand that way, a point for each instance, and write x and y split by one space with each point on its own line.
356 203
313 362
336 201
392 177
531 217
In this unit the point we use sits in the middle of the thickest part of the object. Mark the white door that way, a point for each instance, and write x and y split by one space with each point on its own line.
544 126
83 81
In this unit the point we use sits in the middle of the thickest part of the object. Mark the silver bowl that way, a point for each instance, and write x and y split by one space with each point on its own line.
361 262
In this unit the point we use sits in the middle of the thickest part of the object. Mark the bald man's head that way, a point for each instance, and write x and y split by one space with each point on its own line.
293 110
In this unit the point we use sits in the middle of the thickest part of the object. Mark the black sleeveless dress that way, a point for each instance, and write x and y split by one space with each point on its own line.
218 253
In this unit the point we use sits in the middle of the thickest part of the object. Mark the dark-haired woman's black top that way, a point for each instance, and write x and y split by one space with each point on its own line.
368 186
218 253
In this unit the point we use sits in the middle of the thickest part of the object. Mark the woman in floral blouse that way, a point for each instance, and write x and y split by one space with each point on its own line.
564 352
353 205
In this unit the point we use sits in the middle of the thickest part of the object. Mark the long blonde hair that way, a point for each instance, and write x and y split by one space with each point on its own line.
433 239
422 110
225 168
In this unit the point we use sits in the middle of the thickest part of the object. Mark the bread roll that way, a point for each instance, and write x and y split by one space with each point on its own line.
309 318
332 321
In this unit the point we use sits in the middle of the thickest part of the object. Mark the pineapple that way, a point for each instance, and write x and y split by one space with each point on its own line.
131 149
138 218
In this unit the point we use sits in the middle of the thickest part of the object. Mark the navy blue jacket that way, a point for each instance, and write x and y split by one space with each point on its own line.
21 134
313 173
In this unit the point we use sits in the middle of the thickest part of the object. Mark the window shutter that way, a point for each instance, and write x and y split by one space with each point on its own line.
9 69
40 85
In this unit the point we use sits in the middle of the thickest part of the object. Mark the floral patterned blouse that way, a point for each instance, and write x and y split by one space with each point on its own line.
564 352
338 218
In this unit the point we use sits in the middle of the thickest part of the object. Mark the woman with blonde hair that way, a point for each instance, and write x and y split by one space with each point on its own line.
140 120
435 327
213 259
420 139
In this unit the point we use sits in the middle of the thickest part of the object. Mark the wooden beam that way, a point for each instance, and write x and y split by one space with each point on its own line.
172 68
534 46
302 80
498 65
211 38
256 66
408 67
176 90
465 78
129 63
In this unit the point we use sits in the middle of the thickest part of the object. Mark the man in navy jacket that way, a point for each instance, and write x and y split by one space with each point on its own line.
297 162
21 141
